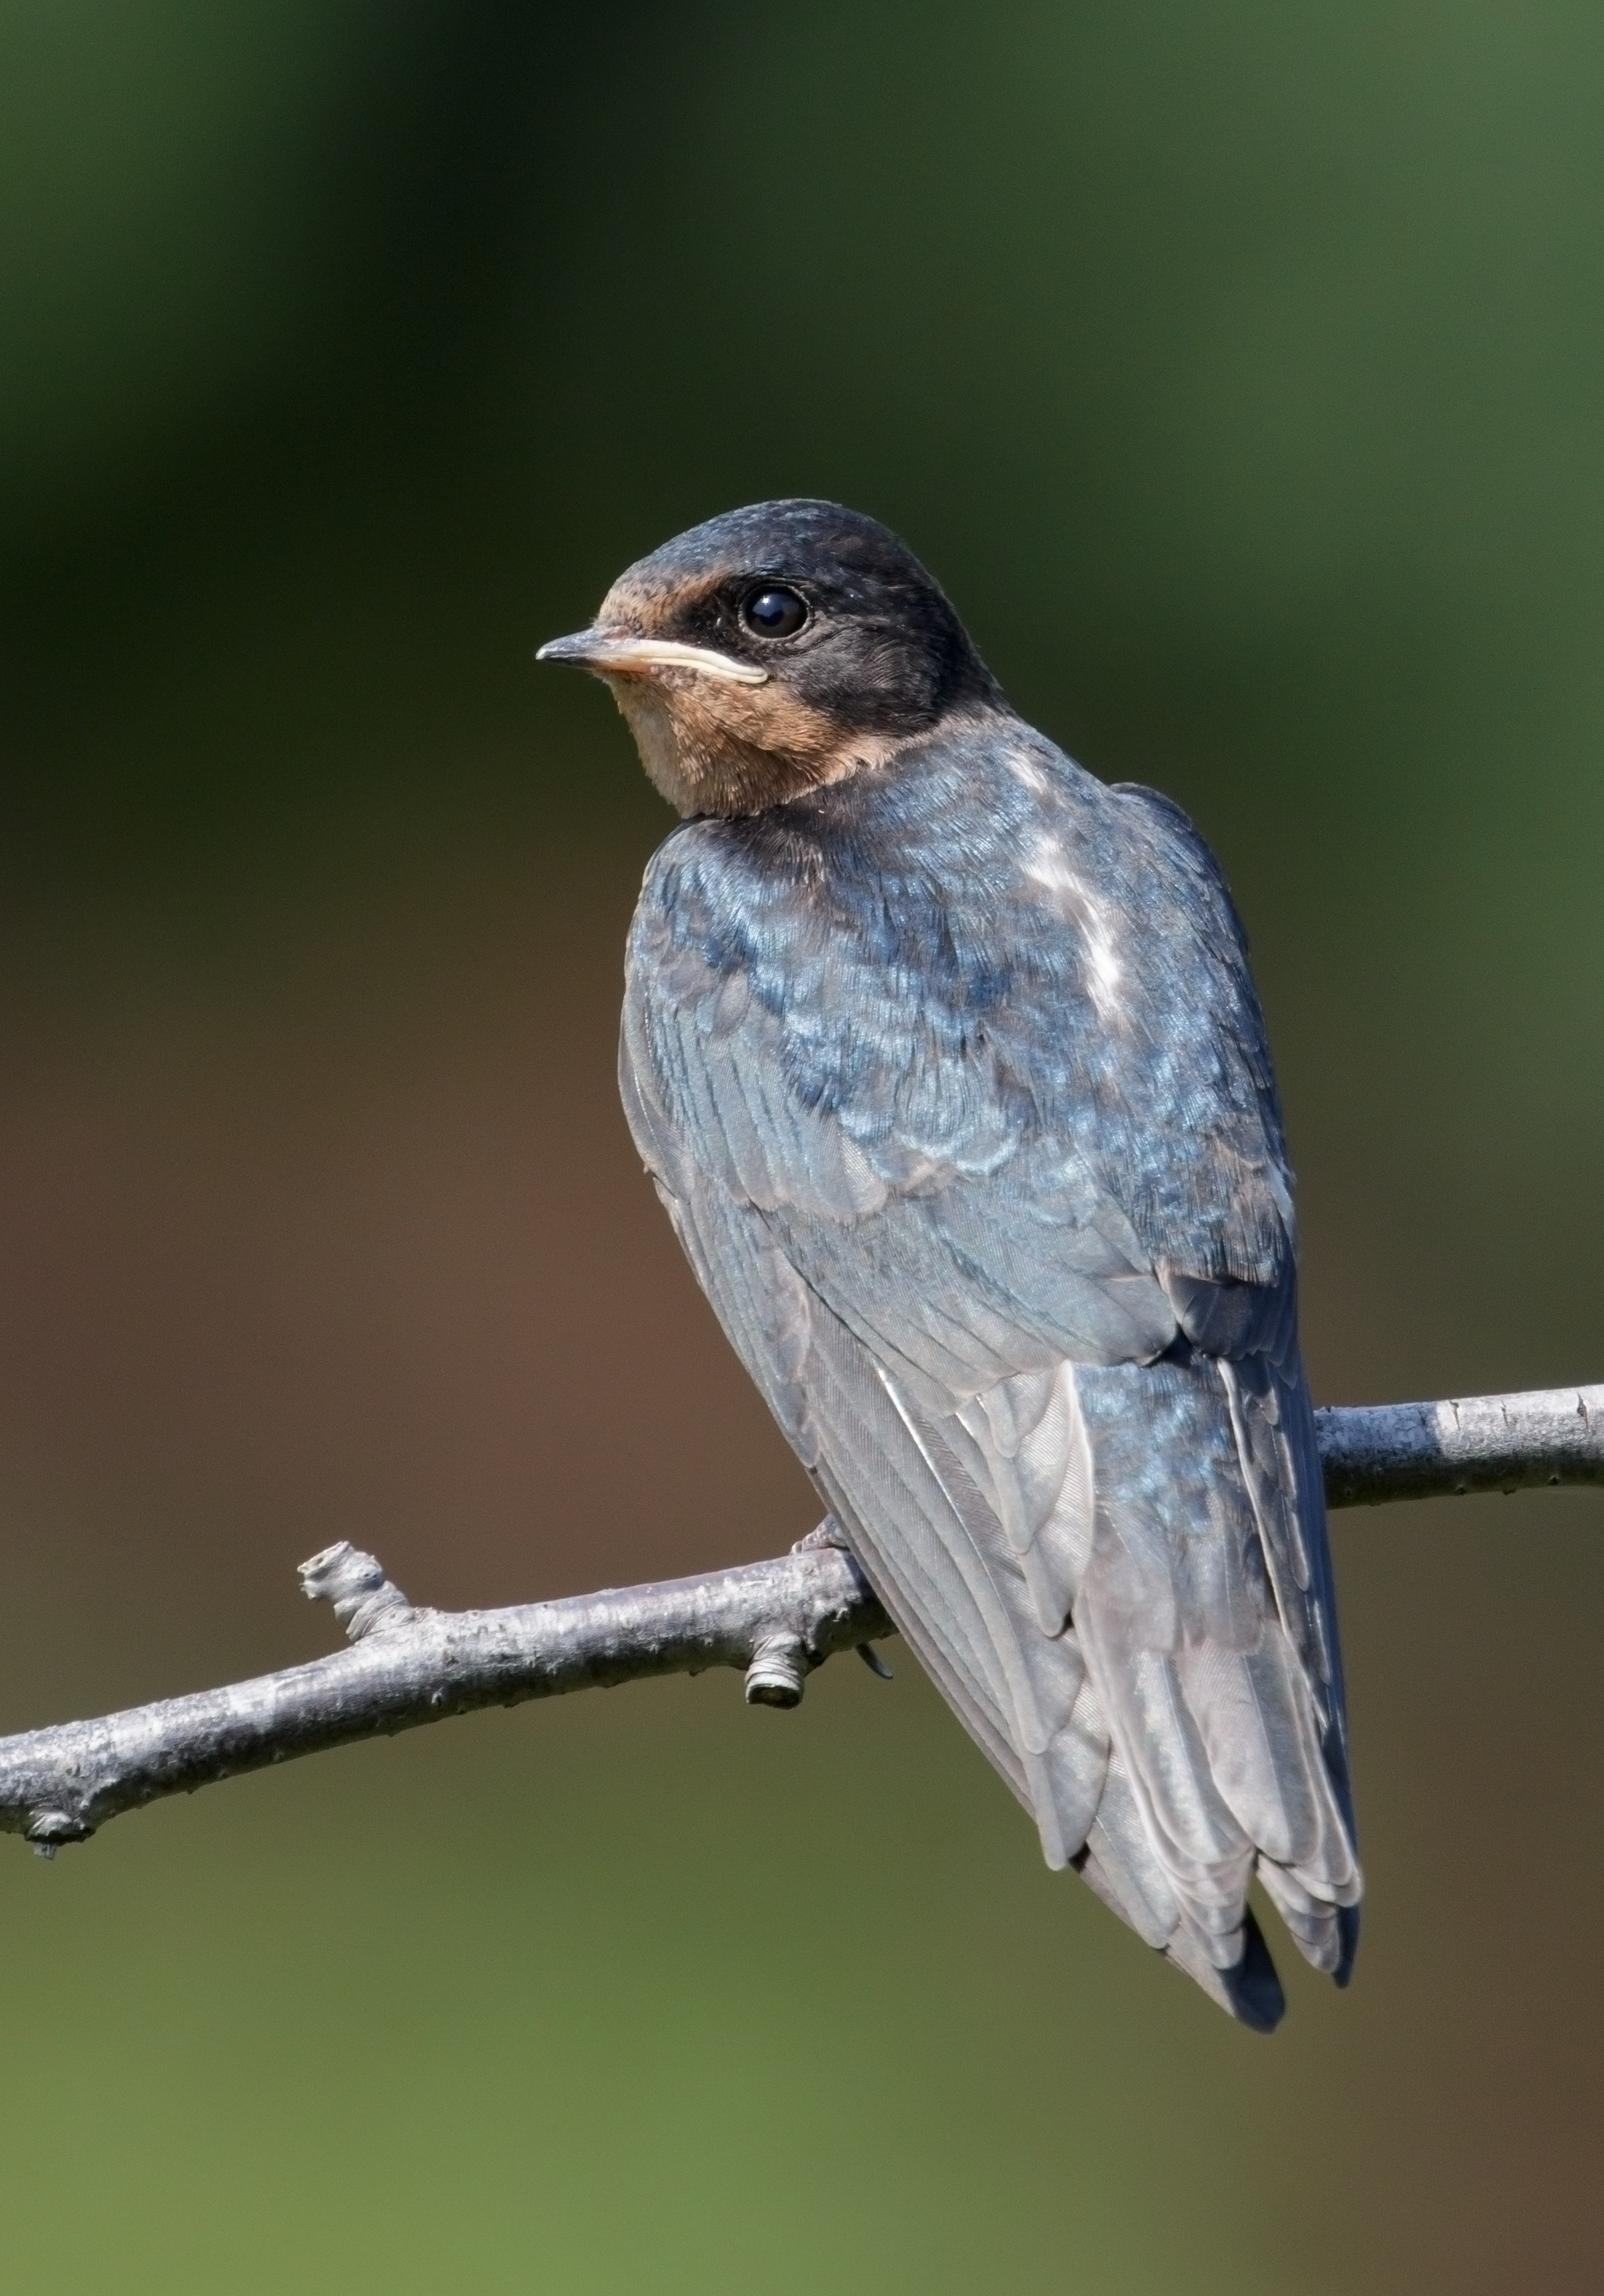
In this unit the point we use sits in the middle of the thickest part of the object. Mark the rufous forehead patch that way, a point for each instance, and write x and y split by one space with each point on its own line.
658 605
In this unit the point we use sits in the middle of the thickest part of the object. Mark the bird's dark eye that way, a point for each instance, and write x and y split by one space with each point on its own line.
774 613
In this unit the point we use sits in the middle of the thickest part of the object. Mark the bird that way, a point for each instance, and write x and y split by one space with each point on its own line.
947 1063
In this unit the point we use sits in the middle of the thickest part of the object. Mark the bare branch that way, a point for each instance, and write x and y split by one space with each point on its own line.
1375 1452
777 1621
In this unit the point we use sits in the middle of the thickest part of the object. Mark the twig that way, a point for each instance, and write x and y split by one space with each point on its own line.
1375 1452
777 1619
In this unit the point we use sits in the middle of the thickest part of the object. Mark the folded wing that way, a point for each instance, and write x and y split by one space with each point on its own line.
1011 1261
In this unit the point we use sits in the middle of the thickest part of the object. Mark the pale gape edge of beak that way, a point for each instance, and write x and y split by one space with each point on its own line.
616 653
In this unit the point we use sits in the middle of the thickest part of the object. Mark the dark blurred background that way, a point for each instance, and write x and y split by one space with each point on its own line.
1239 368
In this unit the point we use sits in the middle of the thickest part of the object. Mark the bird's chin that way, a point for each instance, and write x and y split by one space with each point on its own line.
698 760
647 712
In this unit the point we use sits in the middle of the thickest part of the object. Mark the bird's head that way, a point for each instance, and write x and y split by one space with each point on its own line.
774 649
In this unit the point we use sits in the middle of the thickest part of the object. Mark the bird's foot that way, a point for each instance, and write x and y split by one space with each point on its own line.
828 1533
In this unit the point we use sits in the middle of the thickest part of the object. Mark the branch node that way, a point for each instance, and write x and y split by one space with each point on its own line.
778 1671
357 1588
48 1829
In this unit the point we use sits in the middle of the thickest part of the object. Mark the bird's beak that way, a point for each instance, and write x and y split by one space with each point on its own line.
619 653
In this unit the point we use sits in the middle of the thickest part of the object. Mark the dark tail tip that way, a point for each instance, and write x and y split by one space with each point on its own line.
1251 1987
1250 1991
1347 1929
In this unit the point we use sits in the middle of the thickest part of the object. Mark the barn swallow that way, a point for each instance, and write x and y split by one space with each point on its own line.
946 1061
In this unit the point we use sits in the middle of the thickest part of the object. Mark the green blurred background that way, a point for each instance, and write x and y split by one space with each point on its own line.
1239 367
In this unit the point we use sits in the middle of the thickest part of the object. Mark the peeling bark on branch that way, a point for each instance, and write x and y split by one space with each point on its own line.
777 1621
